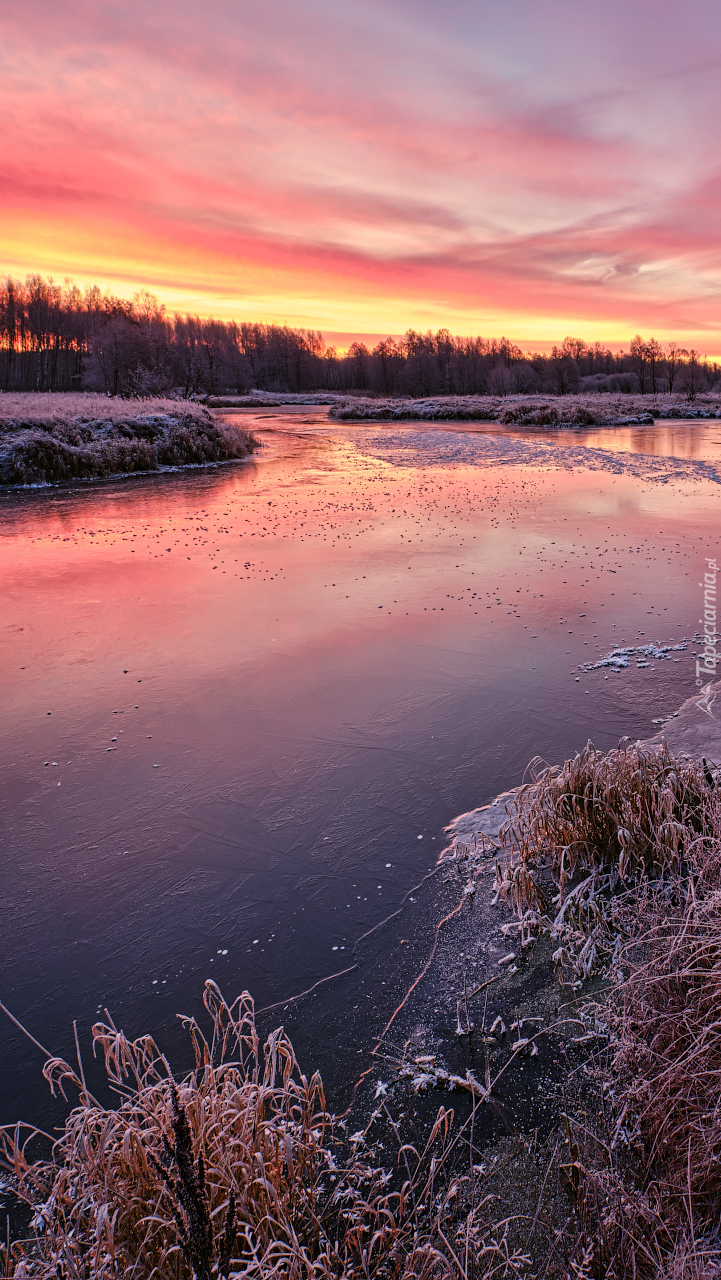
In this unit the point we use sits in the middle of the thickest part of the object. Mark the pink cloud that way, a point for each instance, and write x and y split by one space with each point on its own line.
471 159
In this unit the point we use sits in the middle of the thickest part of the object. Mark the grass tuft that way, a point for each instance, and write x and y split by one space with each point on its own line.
582 835
237 1169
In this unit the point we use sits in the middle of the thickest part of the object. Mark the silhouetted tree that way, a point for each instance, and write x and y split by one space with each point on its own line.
691 374
674 360
57 338
565 378
654 356
639 360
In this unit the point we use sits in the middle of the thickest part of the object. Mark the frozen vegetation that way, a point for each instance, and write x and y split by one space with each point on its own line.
269 399
601 409
50 438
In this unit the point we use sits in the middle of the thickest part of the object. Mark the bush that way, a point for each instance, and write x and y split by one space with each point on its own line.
538 416
40 452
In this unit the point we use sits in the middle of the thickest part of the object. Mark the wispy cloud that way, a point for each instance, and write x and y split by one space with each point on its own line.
493 164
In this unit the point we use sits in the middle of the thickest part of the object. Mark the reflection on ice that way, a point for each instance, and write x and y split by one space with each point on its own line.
334 649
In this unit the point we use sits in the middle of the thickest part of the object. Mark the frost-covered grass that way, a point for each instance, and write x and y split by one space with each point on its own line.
616 858
237 1169
436 408
268 399
52 406
48 439
604 409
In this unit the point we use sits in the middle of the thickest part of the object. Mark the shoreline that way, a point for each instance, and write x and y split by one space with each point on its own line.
690 732
484 1029
450 934
487 1028
584 409
569 411
42 486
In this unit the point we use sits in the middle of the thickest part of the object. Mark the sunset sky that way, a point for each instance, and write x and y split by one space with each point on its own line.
525 167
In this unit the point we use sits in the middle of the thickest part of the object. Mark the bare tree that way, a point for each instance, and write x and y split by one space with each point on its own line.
639 362
565 377
674 360
574 347
359 361
692 374
654 357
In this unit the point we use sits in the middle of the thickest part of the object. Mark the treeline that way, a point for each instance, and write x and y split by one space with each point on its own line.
59 338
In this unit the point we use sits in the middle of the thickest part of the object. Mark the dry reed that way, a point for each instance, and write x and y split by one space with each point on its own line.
659 1178
581 835
237 1169
618 855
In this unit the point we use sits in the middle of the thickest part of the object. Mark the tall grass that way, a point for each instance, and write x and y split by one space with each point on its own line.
581 835
650 1173
236 1169
618 856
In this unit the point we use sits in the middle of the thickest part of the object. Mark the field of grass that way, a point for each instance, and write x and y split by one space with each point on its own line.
49 439
269 399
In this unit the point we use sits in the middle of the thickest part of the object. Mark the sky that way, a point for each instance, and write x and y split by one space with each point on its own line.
532 168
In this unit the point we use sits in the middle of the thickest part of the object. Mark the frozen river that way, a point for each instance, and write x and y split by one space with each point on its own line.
240 705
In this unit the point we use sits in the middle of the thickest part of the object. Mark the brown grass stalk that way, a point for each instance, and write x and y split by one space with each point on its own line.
236 1169
618 855
581 836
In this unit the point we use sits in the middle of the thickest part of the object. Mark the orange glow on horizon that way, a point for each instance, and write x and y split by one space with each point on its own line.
346 307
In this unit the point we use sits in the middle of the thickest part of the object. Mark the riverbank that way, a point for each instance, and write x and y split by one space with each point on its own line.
551 1074
512 1126
602 409
51 439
